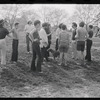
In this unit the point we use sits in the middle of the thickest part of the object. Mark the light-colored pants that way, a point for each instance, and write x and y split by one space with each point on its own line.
3 51
74 49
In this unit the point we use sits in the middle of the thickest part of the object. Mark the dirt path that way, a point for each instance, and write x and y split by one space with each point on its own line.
56 81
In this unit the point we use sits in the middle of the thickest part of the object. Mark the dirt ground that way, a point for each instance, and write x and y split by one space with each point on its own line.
56 81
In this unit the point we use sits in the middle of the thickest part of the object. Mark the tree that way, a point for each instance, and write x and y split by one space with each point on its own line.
87 13
52 15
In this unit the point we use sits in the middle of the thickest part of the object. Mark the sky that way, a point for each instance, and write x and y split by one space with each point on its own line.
70 8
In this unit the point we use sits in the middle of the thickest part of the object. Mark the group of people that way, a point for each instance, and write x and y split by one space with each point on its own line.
80 38
39 36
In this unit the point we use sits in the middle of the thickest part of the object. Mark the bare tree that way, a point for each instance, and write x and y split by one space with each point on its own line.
52 15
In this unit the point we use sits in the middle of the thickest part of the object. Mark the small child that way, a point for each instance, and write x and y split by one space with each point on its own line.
63 44
89 44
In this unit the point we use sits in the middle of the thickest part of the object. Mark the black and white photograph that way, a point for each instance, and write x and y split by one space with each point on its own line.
49 50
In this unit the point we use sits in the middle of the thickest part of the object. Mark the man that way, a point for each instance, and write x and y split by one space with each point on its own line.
47 28
28 28
57 35
89 44
43 44
15 43
74 50
81 37
35 38
3 33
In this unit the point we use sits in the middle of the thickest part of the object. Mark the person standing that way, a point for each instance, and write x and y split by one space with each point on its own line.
47 28
28 28
43 44
3 33
35 38
89 44
15 43
63 41
74 50
57 35
81 37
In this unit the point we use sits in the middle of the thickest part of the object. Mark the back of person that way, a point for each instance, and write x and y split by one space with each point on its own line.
81 34
64 37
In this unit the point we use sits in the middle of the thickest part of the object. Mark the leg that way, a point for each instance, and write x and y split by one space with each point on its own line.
17 42
33 68
13 51
27 42
56 48
3 53
89 50
38 52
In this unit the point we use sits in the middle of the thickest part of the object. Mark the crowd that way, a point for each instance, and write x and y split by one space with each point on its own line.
40 36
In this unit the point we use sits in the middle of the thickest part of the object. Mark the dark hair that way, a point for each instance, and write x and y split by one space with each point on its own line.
16 24
91 26
81 24
74 24
64 27
60 25
29 22
36 22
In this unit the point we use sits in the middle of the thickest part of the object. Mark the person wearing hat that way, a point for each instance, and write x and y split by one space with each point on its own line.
3 33
28 28
15 34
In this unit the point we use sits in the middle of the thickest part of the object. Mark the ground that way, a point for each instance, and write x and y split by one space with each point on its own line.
56 81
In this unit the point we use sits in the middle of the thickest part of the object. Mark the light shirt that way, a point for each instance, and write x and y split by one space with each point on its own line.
29 28
57 33
15 33
81 34
44 39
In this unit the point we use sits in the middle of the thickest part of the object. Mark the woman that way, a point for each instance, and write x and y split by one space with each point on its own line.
63 44
3 33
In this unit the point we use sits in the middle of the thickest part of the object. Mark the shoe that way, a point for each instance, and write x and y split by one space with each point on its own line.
40 72
28 52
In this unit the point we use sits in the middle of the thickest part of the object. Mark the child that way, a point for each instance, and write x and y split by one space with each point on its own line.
89 44
63 43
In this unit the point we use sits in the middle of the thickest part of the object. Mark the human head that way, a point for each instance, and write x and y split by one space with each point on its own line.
60 25
81 24
37 24
64 27
91 26
16 25
29 22
74 25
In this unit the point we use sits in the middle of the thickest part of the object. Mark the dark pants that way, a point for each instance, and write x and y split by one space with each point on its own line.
56 48
49 44
44 54
36 53
88 50
28 42
14 50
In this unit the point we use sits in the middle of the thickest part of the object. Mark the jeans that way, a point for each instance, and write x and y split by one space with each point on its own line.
28 43
74 49
49 43
56 48
44 54
88 49
14 50
3 51
36 53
